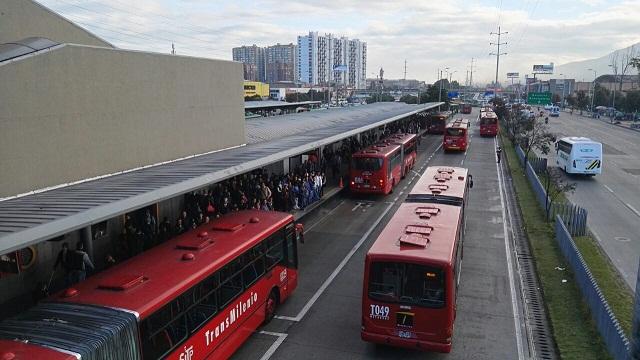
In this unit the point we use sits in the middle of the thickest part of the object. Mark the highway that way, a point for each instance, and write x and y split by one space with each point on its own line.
612 198
322 319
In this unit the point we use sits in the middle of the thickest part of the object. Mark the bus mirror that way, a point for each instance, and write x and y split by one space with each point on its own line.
470 181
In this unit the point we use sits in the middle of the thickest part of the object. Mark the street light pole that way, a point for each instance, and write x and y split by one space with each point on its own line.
564 85
613 102
593 94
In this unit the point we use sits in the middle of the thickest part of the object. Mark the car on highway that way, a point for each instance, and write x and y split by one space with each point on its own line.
554 111
579 155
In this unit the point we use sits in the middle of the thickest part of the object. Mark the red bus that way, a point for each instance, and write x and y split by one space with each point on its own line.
488 123
437 122
412 271
376 169
197 296
466 109
408 150
456 135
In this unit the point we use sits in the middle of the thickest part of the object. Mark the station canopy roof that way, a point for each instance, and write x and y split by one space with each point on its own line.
274 104
33 218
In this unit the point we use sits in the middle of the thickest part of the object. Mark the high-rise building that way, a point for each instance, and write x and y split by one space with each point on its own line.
281 63
254 59
326 60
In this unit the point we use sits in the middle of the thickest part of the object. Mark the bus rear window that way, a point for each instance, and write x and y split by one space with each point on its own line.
455 132
410 284
367 163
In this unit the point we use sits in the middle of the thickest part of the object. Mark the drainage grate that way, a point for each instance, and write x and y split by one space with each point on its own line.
543 345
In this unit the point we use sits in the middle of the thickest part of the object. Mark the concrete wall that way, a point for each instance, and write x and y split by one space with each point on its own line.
20 19
77 112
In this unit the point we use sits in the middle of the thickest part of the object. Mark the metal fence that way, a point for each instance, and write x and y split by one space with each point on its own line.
574 216
606 322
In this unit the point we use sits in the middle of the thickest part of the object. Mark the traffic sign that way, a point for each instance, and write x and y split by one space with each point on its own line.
539 98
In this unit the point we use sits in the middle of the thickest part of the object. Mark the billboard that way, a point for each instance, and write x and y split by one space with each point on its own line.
543 69
513 75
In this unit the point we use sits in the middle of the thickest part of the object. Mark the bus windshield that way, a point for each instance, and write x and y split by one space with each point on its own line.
455 132
487 121
411 284
367 163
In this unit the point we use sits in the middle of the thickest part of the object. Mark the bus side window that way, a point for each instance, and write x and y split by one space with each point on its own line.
291 245
275 250
231 279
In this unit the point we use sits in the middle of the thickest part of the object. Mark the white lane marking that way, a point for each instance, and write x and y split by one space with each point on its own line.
272 349
338 269
608 188
324 217
401 192
512 287
462 162
356 207
633 209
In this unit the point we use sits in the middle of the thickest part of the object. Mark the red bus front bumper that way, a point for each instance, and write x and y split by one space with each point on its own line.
367 190
406 343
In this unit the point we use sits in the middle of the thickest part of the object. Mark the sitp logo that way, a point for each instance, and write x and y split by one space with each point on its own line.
187 354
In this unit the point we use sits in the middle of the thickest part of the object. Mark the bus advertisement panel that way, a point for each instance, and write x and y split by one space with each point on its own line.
456 135
376 169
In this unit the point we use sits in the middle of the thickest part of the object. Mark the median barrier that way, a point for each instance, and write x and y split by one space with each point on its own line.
610 330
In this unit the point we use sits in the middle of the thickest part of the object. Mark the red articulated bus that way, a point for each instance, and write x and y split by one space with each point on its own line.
488 123
456 135
197 296
437 122
408 150
412 271
376 169
466 109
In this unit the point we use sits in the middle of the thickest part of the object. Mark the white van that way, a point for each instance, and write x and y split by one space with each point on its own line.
579 155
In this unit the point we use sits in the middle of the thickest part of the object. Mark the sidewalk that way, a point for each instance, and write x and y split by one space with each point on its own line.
629 125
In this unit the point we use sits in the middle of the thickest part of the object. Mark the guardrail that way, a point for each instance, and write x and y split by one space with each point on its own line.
606 322
575 217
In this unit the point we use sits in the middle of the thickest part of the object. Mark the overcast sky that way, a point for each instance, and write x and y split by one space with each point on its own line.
428 34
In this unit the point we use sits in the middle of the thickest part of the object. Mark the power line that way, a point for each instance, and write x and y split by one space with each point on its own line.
498 53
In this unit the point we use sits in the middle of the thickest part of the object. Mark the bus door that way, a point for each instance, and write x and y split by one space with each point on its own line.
291 257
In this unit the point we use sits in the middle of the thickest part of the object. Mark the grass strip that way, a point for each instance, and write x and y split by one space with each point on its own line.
574 332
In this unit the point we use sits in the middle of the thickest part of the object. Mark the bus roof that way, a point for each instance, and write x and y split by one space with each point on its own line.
401 139
459 123
577 140
24 351
377 150
488 114
148 281
441 181
421 232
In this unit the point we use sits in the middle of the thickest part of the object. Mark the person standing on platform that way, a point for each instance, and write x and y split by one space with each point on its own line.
80 262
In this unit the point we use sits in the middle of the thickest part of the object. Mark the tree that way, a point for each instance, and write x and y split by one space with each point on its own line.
582 100
409 99
602 96
535 135
555 184
380 98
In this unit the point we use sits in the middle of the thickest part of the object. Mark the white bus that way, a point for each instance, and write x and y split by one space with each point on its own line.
579 155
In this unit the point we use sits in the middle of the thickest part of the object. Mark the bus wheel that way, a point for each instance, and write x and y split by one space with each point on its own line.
270 306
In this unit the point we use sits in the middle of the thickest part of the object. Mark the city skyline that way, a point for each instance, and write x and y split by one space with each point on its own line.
428 36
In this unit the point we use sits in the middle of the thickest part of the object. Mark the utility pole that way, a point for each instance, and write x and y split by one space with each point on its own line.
405 69
173 49
471 78
498 53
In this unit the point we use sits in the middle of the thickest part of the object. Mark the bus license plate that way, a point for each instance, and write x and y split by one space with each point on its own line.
405 334
366 185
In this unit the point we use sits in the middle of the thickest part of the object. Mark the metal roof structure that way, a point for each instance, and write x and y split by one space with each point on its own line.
268 104
32 218
26 46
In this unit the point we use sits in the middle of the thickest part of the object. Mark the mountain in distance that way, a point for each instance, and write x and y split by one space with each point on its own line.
578 69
